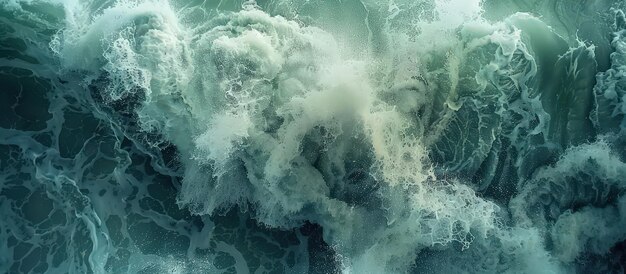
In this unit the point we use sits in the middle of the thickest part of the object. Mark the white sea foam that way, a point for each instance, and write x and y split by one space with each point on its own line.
394 151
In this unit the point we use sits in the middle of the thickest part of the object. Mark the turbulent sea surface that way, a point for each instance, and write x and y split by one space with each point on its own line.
310 136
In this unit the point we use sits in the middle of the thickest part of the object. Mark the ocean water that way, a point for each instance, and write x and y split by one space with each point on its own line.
312 136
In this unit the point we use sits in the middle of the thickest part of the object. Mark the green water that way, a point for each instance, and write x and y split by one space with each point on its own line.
443 136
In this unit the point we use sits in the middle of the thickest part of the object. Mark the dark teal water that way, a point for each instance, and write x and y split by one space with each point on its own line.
312 136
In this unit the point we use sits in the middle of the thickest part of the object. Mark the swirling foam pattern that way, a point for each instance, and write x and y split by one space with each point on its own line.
309 136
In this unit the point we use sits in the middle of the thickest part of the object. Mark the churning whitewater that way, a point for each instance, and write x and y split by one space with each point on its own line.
310 136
